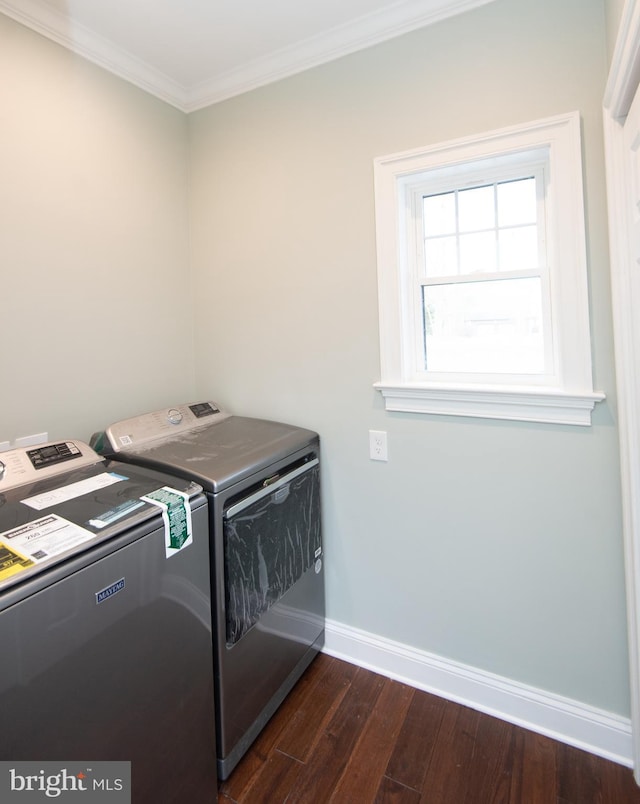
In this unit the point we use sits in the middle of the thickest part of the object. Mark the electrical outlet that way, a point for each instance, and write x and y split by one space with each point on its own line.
378 445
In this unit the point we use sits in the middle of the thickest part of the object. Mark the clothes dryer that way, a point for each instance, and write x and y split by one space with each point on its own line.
262 480
105 620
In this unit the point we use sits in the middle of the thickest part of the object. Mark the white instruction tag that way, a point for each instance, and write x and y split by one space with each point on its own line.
72 490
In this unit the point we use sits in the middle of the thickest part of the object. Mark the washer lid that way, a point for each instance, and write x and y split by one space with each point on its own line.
230 449
46 521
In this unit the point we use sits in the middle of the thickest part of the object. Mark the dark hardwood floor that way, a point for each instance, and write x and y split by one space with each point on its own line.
345 734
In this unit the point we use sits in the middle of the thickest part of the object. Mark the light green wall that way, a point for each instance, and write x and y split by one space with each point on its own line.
95 304
491 543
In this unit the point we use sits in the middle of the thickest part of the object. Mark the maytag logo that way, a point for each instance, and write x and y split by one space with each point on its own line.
110 591
69 781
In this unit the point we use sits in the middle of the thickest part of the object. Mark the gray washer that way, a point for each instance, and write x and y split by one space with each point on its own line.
262 480
105 633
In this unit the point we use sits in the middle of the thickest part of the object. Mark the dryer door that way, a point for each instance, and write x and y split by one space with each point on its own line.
271 538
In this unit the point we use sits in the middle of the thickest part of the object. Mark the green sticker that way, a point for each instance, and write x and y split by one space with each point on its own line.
176 515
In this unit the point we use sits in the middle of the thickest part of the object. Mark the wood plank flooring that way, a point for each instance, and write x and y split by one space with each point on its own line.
348 736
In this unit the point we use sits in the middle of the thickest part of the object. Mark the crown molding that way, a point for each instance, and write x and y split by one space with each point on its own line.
361 33
364 32
84 42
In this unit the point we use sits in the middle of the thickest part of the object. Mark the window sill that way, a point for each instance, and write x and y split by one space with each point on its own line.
514 404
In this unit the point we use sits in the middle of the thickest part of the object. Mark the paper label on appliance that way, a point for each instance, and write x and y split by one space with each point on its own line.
42 539
12 562
114 514
73 490
176 515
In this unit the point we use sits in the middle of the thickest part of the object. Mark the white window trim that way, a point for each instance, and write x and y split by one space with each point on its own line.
572 399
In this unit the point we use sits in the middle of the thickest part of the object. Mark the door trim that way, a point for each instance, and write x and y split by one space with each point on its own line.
623 82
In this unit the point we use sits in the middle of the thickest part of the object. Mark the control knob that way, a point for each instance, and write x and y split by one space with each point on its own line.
174 416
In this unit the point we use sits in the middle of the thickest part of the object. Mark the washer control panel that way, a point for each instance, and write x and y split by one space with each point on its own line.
28 464
166 423
51 454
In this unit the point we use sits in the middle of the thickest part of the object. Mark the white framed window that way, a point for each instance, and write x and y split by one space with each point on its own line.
482 276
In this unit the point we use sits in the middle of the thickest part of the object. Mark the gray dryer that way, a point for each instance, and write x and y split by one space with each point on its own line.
262 480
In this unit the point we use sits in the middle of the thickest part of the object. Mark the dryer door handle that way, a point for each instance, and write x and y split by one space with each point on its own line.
271 486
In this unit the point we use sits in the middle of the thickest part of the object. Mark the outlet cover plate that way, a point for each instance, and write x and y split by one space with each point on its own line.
378 445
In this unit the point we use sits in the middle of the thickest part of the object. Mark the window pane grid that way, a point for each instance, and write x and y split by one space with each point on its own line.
484 229
481 288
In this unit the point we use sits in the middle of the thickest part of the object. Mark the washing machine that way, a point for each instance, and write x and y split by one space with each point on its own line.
262 480
105 620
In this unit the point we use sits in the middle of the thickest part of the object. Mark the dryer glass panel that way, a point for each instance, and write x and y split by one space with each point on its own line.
271 538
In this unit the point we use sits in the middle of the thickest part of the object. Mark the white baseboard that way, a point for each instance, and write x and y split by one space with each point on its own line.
572 722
